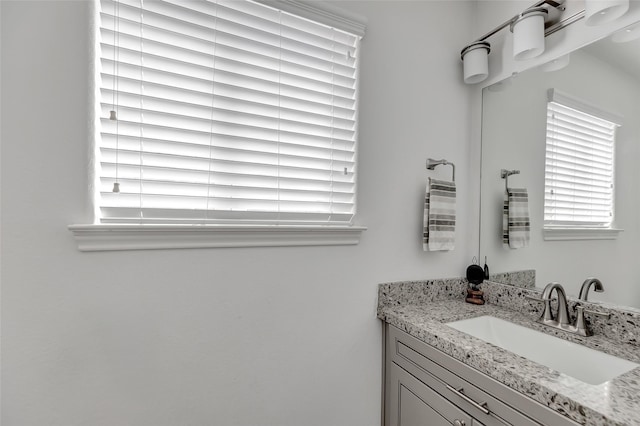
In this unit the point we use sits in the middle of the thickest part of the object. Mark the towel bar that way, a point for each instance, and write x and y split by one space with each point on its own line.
431 165
504 174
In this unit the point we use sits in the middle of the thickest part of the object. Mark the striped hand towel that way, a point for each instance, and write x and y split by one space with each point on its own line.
439 216
515 219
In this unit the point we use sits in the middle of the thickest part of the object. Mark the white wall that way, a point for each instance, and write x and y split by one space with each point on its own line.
514 124
270 336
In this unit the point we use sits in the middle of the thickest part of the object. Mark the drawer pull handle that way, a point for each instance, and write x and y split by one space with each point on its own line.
457 422
480 406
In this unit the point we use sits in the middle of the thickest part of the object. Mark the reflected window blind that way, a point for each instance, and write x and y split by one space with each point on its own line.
579 167
227 112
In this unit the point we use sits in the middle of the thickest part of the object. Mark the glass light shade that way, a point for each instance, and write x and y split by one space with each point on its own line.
597 12
528 34
475 62
630 33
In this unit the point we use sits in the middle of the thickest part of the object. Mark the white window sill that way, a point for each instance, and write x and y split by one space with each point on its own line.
560 234
156 237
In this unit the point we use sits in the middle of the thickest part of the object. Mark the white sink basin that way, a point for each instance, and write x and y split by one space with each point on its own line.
582 363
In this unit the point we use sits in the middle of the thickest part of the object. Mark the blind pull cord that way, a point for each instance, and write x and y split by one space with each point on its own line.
113 115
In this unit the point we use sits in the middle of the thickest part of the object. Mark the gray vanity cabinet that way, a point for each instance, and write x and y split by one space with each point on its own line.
426 387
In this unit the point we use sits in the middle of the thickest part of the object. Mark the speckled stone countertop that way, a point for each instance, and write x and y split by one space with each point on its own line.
422 309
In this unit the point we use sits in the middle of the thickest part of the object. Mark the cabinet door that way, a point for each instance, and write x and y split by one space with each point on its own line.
415 412
412 403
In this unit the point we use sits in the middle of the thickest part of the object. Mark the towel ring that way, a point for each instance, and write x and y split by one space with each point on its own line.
504 174
431 165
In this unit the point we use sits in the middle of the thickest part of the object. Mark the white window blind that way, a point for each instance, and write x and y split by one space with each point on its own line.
227 112
579 167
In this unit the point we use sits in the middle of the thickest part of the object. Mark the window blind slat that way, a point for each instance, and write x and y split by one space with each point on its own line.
154 188
201 79
287 84
185 148
579 139
270 69
202 95
165 171
150 158
577 204
587 120
163 121
191 18
203 216
189 176
150 185
556 173
239 108
563 155
167 201
168 28
580 124
199 52
588 190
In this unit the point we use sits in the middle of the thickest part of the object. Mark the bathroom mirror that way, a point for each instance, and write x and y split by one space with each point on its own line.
605 74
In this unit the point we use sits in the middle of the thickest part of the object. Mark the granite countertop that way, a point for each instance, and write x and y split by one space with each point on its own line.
424 314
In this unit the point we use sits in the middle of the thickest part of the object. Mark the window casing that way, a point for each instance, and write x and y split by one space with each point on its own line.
579 165
228 112
169 108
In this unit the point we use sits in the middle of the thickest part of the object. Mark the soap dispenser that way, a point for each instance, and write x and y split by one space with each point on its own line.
475 276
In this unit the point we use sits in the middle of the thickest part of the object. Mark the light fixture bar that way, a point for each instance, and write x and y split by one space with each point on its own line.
564 23
551 3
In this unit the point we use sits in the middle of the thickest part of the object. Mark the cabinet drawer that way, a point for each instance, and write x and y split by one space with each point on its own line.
466 387
481 405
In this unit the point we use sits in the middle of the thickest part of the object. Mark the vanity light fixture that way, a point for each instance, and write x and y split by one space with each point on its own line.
475 62
597 12
528 33
630 33
528 30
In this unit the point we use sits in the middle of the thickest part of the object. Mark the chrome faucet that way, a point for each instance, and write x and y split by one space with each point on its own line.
586 286
562 315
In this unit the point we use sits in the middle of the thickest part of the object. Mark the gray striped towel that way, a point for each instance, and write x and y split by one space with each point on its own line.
439 216
515 219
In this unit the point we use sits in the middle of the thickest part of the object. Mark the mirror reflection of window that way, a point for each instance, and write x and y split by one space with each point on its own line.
579 164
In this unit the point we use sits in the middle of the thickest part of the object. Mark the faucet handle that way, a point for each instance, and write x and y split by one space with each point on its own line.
581 326
540 299
581 309
605 315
